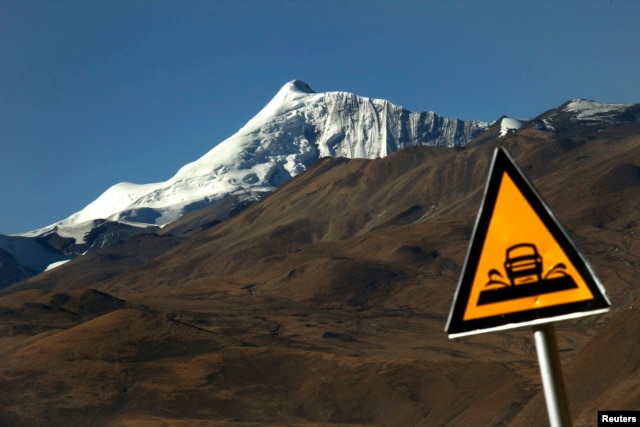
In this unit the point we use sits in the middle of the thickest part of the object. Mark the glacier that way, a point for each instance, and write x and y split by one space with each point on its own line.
291 132
294 129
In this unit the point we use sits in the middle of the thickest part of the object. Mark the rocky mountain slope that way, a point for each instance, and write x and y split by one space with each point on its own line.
325 303
291 132
296 128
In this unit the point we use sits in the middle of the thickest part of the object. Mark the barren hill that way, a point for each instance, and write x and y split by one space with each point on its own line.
325 303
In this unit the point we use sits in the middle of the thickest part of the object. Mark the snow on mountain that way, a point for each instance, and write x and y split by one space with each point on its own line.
508 124
573 118
56 264
35 255
22 257
580 117
591 110
291 132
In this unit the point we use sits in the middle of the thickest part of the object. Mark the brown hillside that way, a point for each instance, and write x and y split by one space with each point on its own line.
325 304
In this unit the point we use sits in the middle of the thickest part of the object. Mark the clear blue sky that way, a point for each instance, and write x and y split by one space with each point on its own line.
94 92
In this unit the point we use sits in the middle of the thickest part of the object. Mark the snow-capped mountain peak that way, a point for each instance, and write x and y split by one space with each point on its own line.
284 100
591 110
581 116
509 124
294 129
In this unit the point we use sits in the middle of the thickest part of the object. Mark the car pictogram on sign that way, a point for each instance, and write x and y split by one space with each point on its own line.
523 264
523 267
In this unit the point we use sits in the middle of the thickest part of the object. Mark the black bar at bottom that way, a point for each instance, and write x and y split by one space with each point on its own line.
530 289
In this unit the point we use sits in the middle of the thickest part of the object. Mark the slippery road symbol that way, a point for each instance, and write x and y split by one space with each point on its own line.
523 267
535 271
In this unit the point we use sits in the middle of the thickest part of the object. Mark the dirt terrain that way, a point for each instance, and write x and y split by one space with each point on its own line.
325 304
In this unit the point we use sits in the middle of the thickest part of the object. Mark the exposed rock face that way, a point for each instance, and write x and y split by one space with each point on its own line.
296 128
290 133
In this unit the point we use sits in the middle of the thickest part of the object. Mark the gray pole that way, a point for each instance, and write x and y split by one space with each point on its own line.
555 393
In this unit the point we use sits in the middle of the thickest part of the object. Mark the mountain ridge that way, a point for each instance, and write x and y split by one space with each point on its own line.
295 128
326 302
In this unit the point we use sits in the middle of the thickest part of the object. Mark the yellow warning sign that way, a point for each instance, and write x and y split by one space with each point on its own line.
522 268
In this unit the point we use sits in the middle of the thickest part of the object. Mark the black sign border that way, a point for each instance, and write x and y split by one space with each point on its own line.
456 326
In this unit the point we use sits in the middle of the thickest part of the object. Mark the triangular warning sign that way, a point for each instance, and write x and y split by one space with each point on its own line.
521 268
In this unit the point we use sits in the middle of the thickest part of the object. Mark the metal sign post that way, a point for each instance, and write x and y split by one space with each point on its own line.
522 268
555 393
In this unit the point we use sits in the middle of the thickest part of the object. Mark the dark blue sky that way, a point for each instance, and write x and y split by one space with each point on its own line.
97 92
